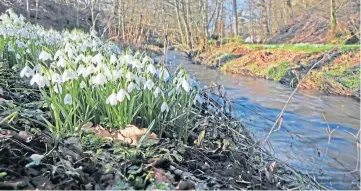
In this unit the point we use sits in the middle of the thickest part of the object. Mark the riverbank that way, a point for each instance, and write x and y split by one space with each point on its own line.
337 71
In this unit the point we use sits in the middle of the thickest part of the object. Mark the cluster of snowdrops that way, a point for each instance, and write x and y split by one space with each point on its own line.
84 79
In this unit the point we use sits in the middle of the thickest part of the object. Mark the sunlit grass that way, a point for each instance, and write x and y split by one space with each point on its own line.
302 47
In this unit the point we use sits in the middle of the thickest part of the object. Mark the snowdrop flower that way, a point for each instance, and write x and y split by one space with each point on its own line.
44 56
82 71
82 85
185 85
165 74
10 48
26 71
128 59
18 56
116 74
151 69
56 78
99 79
112 99
68 100
97 59
171 92
147 59
80 57
40 80
164 107
129 76
149 84
113 59
121 95
61 63
28 51
20 44
157 91
131 87
69 75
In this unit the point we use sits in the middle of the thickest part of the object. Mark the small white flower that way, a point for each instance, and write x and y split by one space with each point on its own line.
82 85
61 63
113 59
99 79
68 100
58 54
171 92
121 95
10 48
81 57
130 87
129 76
157 91
44 56
147 59
164 107
56 78
69 75
112 99
165 74
18 56
149 84
116 74
42 81
26 71
97 59
151 69
185 85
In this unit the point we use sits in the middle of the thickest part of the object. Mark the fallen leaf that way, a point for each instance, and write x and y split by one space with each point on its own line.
130 134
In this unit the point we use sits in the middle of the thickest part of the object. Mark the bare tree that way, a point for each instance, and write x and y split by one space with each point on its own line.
235 18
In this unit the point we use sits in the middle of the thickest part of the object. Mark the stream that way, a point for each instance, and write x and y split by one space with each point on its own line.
303 141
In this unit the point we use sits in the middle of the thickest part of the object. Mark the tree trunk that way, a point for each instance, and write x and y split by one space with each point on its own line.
333 19
186 12
36 9
235 18
177 10
216 20
27 9
264 18
250 23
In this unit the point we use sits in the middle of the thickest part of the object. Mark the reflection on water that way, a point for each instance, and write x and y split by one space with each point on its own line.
305 144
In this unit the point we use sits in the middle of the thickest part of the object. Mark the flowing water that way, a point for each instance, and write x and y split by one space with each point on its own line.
303 141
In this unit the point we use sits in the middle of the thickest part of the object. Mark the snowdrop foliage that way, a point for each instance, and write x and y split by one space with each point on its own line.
85 79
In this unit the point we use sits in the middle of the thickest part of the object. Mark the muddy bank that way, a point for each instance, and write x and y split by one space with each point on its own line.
336 72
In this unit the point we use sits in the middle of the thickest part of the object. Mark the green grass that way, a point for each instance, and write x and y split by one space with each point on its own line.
254 68
302 47
344 75
277 72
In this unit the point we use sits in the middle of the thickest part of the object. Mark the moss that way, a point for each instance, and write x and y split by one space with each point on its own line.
310 48
351 80
277 72
254 68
